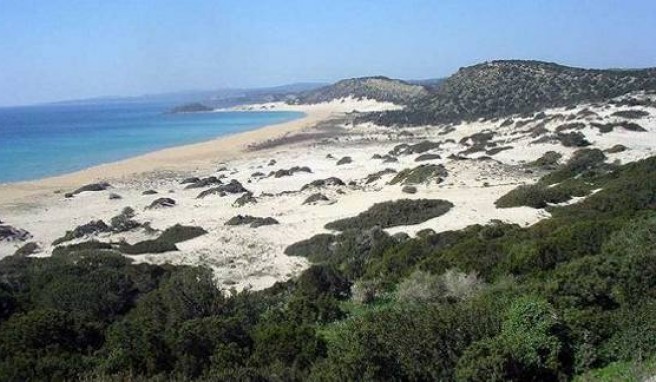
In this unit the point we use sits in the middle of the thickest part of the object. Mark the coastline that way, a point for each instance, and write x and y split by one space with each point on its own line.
274 177
192 157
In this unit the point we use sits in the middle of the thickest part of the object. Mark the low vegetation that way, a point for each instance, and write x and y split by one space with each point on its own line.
165 242
84 230
426 173
289 172
316 198
573 139
585 171
234 187
251 221
320 183
631 114
548 160
378 175
93 187
608 127
569 298
161 203
394 213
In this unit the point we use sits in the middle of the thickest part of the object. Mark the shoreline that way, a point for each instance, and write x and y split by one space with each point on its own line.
283 181
184 158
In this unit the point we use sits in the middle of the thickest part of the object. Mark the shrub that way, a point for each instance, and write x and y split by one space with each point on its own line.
616 149
395 213
323 279
247 198
535 196
424 173
179 233
366 291
631 114
573 139
529 347
328 182
585 162
161 203
570 126
409 189
91 245
123 222
451 286
425 157
147 246
548 160
27 249
93 227
317 249
420 287
252 221
93 187
377 175
344 160
315 198
460 286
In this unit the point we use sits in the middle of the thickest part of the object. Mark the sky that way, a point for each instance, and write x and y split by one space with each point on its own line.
54 50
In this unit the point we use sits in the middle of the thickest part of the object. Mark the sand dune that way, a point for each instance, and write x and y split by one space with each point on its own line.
244 257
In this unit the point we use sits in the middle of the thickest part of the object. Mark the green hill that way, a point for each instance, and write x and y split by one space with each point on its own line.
379 88
501 88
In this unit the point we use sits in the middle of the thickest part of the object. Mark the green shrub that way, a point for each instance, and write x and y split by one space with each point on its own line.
631 114
179 233
394 213
147 246
317 249
91 228
547 160
81 247
425 173
582 162
529 348
535 196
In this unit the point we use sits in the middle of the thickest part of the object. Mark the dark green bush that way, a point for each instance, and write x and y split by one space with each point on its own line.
631 114
395 213
425 173
536 196
179 233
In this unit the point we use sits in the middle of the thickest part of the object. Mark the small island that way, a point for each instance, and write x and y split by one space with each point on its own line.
194 107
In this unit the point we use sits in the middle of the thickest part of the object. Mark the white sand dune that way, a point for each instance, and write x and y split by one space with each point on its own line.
244 257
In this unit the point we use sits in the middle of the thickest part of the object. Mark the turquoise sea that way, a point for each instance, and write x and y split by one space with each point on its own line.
42 141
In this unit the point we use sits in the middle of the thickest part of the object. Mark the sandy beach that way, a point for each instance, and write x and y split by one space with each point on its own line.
245 257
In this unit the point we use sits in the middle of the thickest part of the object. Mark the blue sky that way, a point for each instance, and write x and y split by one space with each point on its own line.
68 49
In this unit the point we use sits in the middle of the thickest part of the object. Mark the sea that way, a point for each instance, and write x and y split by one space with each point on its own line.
43 141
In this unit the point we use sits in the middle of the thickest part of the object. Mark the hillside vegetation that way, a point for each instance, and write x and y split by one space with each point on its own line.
501 88
378 88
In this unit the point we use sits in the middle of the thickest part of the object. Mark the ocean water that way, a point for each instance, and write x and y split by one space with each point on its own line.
42 141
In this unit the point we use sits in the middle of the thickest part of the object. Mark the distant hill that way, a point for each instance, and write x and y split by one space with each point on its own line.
379 88
194 107
500 88
212 98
